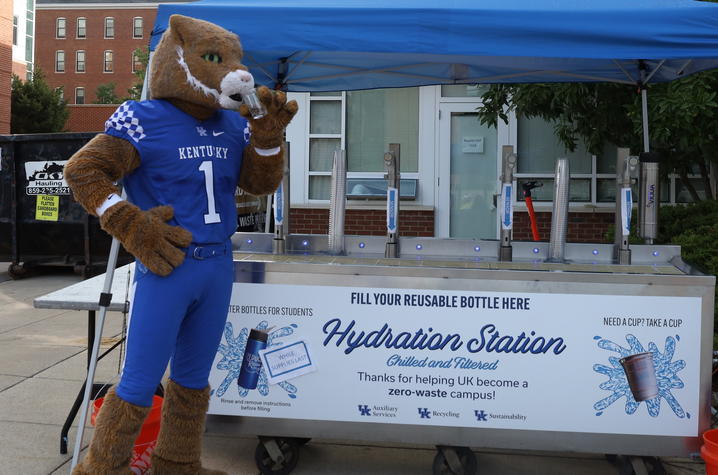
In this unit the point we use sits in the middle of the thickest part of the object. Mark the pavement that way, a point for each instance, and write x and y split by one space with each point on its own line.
42 366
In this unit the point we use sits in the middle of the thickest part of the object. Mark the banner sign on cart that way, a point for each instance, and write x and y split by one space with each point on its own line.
535 361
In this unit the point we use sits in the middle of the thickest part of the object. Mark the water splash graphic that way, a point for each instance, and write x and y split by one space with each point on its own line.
233 351
666 376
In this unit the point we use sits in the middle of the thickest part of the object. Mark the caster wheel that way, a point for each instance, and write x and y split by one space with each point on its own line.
467 459
290 451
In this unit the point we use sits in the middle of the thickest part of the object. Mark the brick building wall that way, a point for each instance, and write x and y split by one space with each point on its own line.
361 222
6 63
95 44
88 117
582 227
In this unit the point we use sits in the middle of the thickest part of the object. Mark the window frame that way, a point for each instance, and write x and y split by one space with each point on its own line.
134 28
105 62
58 61
132 66
77 28
77 61
57 28
106 27
84 97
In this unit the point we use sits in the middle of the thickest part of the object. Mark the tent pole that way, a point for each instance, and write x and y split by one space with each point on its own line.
644 111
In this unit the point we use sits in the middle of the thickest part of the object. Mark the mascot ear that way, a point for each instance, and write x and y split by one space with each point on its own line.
181 28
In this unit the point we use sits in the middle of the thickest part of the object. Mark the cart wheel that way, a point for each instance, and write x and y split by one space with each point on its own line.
290 452
17 271
466 457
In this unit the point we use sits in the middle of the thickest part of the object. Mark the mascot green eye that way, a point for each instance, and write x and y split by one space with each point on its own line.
212 57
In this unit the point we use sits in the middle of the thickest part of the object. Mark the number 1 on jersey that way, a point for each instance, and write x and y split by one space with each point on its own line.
212 216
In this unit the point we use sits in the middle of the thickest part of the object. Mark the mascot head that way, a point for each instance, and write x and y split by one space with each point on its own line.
199 63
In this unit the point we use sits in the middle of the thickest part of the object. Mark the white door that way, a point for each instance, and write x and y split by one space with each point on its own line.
468 163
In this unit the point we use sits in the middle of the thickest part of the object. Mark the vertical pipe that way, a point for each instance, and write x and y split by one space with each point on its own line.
625 168
281 208
337 203
559 216
508 163
392 161
649 190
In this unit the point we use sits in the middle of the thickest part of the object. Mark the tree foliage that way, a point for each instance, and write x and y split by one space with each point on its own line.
105 94
682 118
135 92
35 107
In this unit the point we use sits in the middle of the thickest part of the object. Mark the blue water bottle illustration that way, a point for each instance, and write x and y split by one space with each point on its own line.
251 363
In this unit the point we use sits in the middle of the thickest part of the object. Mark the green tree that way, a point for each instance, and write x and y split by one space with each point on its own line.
36 107
105 94
143 56
683 118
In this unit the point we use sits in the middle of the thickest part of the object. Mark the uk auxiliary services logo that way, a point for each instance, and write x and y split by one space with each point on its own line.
364 410
481 416
424 413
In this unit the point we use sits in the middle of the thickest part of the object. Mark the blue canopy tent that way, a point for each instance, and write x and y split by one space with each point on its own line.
330 45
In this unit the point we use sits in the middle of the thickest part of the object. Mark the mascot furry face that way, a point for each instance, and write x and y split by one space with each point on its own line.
204 57
177 221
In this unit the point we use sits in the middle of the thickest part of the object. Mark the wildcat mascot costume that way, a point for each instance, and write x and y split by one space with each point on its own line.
180 157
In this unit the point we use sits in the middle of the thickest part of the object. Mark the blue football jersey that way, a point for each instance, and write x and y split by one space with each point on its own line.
189 164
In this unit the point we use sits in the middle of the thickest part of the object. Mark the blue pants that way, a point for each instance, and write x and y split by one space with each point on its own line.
181 317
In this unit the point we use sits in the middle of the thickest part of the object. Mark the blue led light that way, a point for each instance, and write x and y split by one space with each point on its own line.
419 247
536 250
249 241
656 253
477 248
305 243
594 252
362 245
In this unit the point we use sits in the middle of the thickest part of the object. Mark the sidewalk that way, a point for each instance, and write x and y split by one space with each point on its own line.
42 365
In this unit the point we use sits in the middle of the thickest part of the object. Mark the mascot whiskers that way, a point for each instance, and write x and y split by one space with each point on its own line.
180 157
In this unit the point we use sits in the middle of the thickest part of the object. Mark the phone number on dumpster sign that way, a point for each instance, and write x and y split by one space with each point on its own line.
47 190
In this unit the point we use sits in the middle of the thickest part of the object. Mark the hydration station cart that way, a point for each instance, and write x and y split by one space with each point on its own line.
437 350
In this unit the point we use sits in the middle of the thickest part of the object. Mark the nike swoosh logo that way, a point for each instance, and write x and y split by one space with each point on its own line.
216 133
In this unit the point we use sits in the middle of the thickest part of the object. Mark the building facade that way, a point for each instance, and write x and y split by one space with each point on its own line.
16 50
450 166
83 45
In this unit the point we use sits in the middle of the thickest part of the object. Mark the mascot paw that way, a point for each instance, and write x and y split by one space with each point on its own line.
268 132
147 236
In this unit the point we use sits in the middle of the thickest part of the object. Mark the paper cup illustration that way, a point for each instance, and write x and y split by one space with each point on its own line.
641 375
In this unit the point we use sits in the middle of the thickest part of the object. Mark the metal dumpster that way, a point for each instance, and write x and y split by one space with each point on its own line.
40 222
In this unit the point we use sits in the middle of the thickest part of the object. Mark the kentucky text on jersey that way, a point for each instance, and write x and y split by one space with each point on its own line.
202 151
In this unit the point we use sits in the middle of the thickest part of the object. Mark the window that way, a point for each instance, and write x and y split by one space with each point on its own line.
136 63
60 28
363 123
137 27
29 35
109 27
108 62
80 61
59 61
593 177
60 93
79 95
14 30
82 27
